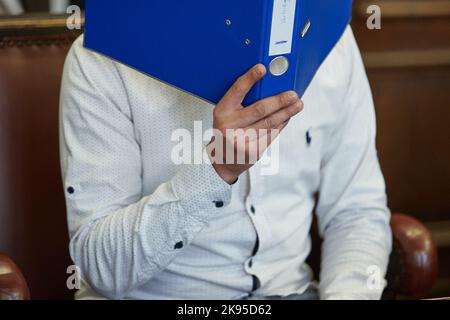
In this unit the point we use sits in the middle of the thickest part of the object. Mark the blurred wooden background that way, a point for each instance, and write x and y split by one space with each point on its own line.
43 5
408 63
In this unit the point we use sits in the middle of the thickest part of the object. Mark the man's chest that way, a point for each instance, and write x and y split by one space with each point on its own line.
172 128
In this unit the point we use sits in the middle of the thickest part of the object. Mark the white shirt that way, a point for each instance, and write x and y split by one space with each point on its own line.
15 7
12 7
58 6
142 227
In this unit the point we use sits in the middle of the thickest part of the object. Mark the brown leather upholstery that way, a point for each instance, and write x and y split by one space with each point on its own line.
417 255
33 227
12 283
413 265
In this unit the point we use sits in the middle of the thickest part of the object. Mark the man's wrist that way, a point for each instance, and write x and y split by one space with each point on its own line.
222 170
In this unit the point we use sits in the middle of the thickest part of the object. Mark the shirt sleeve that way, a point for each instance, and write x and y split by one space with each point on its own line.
121 238
352 208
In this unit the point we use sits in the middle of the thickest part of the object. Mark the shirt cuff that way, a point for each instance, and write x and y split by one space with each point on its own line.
200 188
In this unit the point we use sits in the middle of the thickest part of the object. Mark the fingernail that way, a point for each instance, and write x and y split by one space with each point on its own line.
259 70
292 96
297 107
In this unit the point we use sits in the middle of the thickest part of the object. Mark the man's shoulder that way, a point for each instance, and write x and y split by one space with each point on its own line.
78 43
340 59
85 56
85 65
101 67
340 68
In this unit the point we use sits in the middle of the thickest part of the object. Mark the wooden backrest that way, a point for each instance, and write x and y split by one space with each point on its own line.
33 228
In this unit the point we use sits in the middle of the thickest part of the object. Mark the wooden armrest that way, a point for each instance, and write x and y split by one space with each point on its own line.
12 283
413 267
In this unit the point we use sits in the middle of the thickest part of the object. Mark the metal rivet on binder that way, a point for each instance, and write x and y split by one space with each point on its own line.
306 28
279 66
247 41
228 22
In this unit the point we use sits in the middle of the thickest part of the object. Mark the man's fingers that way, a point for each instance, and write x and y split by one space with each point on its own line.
278 118
237 93
266 107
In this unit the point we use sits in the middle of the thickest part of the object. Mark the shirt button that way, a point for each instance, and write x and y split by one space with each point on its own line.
179 245
70 190
219 204
250 263
252 209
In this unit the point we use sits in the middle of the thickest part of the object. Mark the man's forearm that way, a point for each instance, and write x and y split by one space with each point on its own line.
355 256
127 247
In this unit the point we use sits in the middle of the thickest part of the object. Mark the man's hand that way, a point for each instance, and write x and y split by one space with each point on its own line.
262 121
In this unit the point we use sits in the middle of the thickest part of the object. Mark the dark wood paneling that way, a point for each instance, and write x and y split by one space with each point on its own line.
43 5
414 138
36 5
33 227
32 210
408 64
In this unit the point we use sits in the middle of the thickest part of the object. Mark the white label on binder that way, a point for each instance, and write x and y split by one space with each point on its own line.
282 33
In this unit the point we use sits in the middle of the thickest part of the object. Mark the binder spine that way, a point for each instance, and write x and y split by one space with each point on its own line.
280 46
265 40
265 12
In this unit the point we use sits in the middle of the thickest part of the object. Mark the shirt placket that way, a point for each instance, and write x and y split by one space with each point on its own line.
253 205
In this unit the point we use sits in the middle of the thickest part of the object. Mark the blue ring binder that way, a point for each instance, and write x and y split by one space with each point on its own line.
203 46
